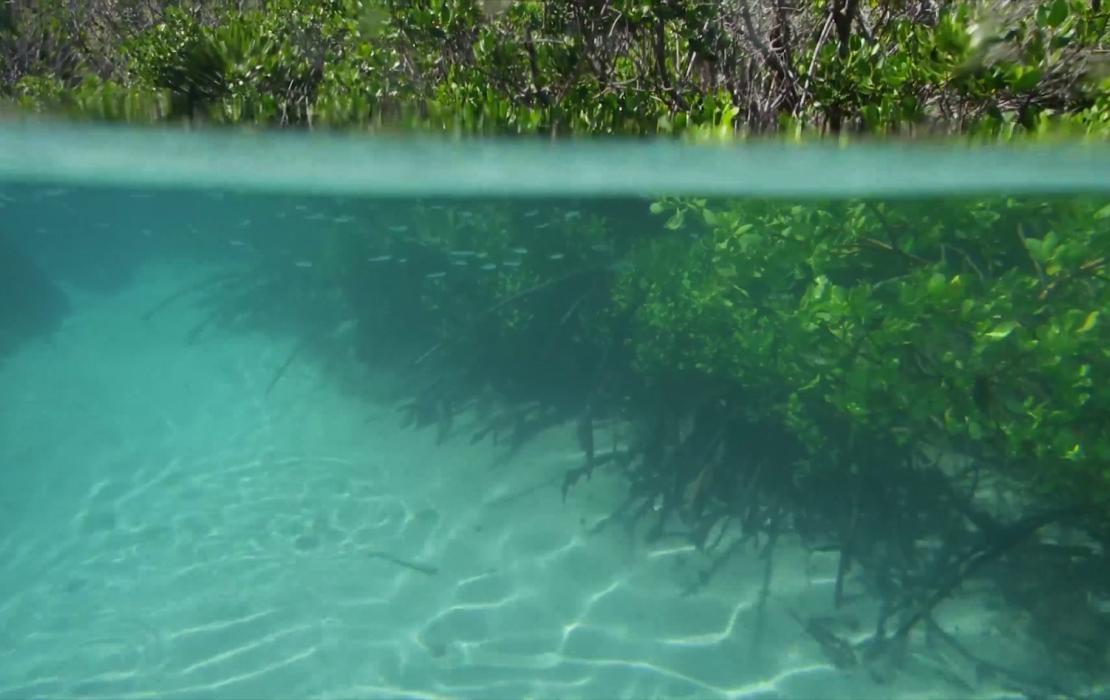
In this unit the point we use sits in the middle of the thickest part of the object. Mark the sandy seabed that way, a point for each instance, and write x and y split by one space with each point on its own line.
169 530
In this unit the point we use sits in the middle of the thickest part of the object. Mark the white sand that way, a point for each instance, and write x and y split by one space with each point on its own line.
168 531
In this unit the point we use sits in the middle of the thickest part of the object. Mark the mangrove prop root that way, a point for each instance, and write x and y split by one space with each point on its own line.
198 329
716 565
1008 539
765 589
285 365
724 520
839 651
227 315
984 668
586 471
210 282
845 560
511 299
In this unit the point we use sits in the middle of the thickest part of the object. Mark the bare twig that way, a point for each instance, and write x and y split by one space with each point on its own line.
813 65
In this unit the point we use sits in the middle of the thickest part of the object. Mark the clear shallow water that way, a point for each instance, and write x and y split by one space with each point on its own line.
207 489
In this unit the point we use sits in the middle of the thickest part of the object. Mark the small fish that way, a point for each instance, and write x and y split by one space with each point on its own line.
399 228
343 219
571 215
462 253
435 275
459 263
511 263
317 216
489 266
236 242
543 225
531 213
244 223
520 251
556 256
303 263
601 248
403 260
426 569
379 258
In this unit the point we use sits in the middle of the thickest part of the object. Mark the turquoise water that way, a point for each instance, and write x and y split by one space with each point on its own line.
214 482
337 165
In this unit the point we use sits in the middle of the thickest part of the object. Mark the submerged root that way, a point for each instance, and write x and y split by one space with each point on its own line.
297 349
209 284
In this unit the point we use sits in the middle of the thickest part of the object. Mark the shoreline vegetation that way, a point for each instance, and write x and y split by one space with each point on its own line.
922 386
702 70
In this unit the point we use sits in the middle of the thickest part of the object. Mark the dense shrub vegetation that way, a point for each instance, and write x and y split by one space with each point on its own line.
566 66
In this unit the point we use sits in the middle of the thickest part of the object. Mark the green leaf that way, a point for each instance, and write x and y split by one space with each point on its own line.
726 271
974 430
1056 13
1035 246
1001 330
1088 323
749 241
1049 244
937 284
1026 78
956 286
